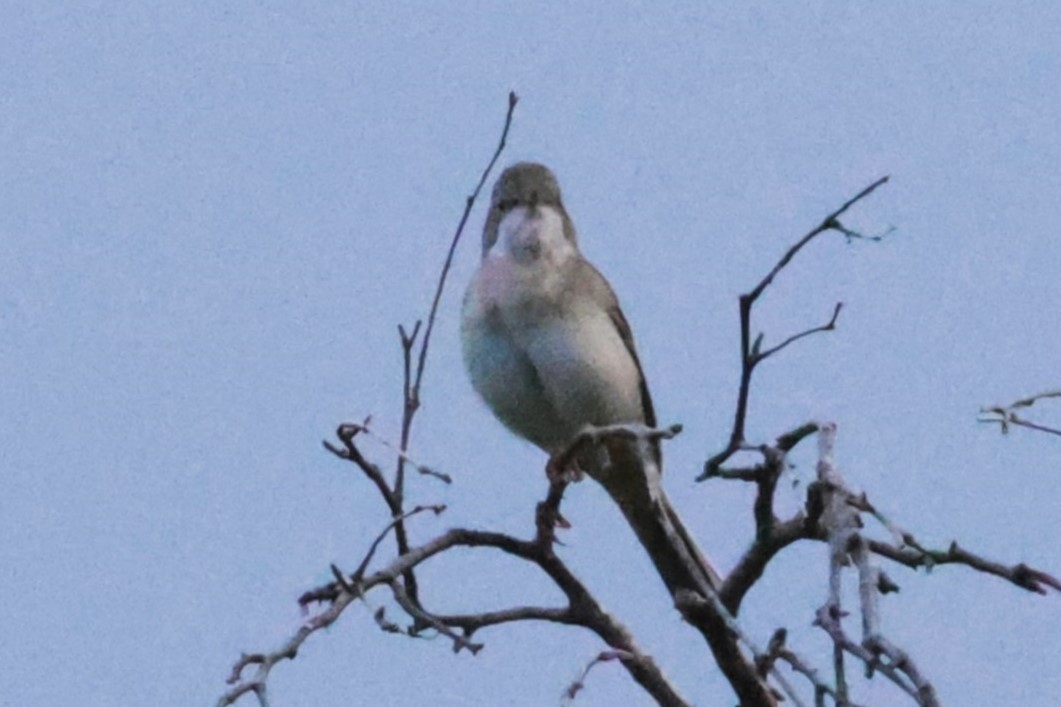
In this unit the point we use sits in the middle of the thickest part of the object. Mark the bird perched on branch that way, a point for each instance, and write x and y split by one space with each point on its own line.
549 350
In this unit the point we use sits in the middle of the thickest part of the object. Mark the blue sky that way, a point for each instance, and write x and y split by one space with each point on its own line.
214 215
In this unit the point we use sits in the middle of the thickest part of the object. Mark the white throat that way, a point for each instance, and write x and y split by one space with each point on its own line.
529 236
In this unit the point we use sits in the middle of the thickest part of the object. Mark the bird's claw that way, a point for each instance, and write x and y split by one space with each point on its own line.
558 470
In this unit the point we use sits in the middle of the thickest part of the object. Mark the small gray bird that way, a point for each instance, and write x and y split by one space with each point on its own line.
549 350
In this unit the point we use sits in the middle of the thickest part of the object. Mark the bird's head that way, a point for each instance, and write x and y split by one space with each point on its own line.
528 187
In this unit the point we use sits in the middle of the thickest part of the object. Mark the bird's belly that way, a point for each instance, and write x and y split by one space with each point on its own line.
545 365
509 384
506 379
592 377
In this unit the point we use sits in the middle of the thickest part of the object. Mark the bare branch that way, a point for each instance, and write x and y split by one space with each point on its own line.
752 564
1006 415
690 603
266 661
828 326
1029 401
583 609
423 618
359 573
602 657
1019 574
771 535
470 623
800 666
469 203
751 352
346 433
412 383
402 454
829 620
744 473
842 526
830 504
830 222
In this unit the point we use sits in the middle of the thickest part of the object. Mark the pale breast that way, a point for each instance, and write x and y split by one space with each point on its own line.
501 371
523 274
589 373
540 348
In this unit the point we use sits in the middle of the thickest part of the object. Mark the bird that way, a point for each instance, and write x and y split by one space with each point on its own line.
548 348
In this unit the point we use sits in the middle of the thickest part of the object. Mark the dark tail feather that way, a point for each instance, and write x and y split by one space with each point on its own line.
677 558
707 570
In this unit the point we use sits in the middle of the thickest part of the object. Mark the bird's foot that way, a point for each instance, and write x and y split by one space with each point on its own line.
560 470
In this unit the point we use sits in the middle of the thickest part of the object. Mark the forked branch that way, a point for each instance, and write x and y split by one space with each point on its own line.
752 351
1006 415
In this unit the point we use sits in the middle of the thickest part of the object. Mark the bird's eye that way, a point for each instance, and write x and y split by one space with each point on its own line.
506 205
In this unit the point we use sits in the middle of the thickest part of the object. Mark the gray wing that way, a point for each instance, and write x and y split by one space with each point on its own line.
604 296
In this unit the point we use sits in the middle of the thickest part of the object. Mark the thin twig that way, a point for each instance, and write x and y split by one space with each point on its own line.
411 385
777 650
830 222
692 600
402 454
1015 420
359 573
266 661
751 351
1019 574
470 623
828 326
469 203
842 525
346 433
1006 414
603 657
422 618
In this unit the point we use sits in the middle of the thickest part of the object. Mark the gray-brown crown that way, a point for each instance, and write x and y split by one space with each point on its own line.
523 184
526 183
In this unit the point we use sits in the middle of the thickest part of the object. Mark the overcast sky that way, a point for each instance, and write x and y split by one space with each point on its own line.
214 215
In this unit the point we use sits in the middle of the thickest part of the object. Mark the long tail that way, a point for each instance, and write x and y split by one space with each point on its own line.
707 570
635 486
671 548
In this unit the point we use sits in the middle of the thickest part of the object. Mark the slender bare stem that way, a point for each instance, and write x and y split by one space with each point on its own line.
413 382
751 351
1006 415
